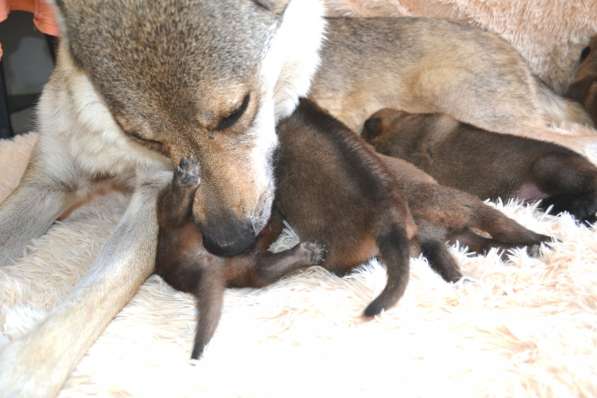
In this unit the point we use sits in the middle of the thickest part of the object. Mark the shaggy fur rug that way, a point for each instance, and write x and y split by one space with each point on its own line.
549 33
521 327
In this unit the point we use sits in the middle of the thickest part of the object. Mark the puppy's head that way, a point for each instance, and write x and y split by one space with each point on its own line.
584 87
198 78
390 130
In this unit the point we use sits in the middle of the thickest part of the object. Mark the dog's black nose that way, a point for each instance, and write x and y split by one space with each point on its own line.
229 238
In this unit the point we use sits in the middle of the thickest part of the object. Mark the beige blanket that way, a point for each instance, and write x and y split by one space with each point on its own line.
525 327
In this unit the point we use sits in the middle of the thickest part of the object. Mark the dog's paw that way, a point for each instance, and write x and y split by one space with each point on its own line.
316 252
187 173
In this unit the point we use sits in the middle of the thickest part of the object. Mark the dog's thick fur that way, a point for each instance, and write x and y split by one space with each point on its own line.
584 87
487 164
424 65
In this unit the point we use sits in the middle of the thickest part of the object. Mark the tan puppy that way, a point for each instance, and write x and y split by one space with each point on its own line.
584 87
486 164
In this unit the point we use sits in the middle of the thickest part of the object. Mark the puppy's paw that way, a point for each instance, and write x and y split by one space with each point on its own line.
534 249
187 173
452 276
583 207
316 252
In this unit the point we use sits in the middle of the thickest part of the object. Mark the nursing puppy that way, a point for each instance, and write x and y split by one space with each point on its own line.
584 87
486 164
186 265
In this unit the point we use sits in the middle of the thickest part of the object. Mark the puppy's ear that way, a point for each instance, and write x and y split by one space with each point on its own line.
275 6
579 89
584 54
372 128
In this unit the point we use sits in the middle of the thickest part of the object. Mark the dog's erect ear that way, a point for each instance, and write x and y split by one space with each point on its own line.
275 6
60 13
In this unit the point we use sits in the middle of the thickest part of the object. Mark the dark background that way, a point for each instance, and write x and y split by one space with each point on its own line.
25 67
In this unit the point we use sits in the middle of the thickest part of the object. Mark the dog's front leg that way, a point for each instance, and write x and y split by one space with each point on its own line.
38 364
31 209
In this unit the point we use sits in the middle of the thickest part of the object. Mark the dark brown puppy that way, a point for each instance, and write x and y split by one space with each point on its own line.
584 87
186 265
333 189
486 164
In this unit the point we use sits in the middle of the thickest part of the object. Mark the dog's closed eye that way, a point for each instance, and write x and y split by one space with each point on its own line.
146 142
234 117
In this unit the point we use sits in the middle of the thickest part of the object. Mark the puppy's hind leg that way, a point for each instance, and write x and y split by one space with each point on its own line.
393 247
440 260
481 245
504 230
261 269
270 267
431 239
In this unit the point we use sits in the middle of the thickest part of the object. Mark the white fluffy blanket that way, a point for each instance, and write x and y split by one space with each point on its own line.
525 327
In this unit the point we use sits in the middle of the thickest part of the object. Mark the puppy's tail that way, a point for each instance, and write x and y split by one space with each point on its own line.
394 252
210 299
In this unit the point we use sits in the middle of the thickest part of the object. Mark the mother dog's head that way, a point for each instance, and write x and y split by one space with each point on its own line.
202 78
